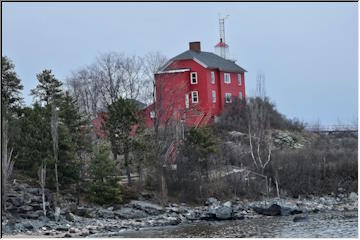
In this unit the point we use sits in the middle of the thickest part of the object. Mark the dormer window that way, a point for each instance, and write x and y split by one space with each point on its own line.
193 78
227 78
239 79
152 114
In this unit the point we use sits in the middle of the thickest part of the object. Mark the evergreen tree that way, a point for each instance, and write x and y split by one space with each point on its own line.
122 117
10 84
48 89
103 188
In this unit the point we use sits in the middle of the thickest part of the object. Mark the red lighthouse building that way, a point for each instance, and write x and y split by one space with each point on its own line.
195 86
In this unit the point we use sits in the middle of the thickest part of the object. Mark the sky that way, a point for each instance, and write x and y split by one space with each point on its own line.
308 52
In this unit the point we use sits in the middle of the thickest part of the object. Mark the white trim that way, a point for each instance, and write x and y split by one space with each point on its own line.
199 62
226 94
174 71
192 97
191 78
240 95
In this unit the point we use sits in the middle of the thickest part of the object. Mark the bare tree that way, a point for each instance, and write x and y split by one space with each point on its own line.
42 182
153 61
7 163
260 139
54 134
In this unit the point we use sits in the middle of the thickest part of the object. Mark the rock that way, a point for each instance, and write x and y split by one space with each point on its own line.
173 220
300 218
106 213
62 228
223 212
130 213
191 215
70 217
273 210
67 235
81 211
227 204
73 230
34 191
211 201
353 196
110 208
28 226
150 208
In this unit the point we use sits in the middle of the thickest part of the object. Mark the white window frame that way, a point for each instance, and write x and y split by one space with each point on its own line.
240 95
226 98
212 77
227 80
213 96
195 78
193 93
239 79
152 114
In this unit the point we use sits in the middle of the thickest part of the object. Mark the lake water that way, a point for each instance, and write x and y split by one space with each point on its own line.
324 225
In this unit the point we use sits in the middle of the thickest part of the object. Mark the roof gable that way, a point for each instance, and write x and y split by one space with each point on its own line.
209 59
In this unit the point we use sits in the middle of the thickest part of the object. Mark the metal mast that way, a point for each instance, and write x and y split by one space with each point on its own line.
222 48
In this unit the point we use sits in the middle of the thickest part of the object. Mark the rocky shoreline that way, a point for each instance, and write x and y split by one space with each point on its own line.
25 217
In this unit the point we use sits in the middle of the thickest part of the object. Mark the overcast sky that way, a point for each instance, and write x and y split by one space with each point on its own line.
307 51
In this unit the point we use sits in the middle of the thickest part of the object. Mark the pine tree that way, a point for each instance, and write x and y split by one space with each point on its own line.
103 188
10 84
122 117
48 89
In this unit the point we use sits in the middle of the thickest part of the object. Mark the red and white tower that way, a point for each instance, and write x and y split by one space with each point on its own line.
222 49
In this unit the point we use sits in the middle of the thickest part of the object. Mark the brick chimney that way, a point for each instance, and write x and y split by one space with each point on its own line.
195 46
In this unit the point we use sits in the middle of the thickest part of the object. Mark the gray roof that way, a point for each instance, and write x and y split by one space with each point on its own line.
211 60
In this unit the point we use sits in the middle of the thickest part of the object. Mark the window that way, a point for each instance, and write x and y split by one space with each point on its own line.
187 100
213 94
195 96
227 78
240 95
239 79
193 78
152 114
212 77
228 97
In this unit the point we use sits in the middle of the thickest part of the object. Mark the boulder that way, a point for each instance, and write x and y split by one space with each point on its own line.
223 212
130 213
24 209
15 201
62 228
150 208
106 213
273 210
211 201
81 211
28 226
70 217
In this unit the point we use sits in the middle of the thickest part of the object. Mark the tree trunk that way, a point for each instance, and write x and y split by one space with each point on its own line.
127 168
140 176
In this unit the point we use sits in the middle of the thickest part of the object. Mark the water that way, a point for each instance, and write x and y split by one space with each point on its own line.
324 225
